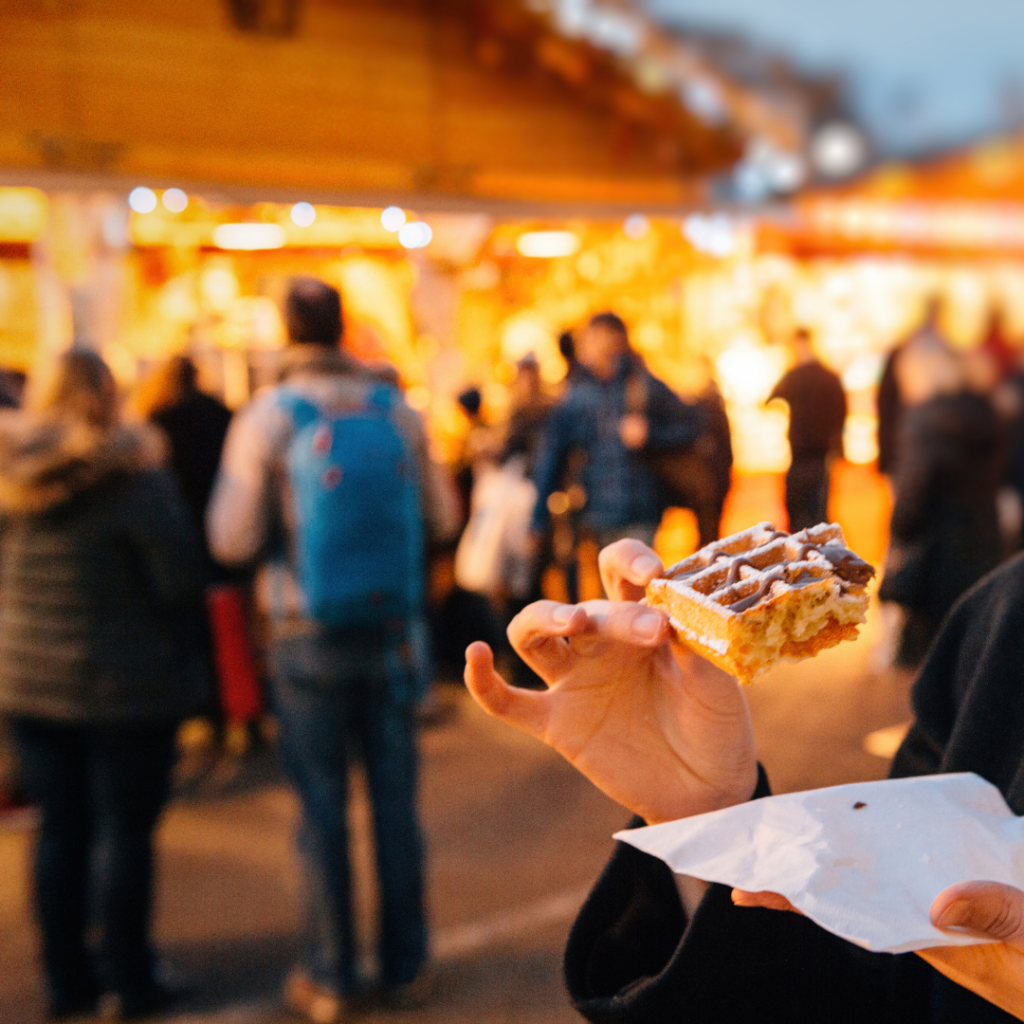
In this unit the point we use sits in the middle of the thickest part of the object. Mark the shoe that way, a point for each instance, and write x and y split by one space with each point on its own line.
311 1001
410 995
73 1008
155 999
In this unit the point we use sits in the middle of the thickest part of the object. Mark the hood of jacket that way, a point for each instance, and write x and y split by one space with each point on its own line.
46 462
315 359
329 360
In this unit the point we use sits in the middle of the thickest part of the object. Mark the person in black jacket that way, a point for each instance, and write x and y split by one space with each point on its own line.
817 412
668 735
617 415
945 523
196 425
99 568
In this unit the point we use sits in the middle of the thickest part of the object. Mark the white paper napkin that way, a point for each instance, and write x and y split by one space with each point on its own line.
864 861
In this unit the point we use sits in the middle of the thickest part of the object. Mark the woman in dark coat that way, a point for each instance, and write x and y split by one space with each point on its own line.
945 525
99 575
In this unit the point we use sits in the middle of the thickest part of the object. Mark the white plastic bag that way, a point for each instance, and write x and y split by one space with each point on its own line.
494 552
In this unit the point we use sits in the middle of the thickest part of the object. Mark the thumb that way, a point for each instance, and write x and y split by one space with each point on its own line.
984 908
524 709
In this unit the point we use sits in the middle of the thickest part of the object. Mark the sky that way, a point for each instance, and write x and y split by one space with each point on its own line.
923 74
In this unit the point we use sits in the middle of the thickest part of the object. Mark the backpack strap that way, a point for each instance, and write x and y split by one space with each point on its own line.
382 396
300 409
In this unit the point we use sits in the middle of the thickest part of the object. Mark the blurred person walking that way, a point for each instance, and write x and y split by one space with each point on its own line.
817 412
600 418
99 568
945 525
898 388
528 414
715 447
325 479
12 387
698 476
196 425
10 801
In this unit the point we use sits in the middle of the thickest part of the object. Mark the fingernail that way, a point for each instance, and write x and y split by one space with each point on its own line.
645 565
956 915
563 613
647 625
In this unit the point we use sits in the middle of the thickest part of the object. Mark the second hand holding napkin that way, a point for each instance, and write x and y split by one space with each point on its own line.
865 861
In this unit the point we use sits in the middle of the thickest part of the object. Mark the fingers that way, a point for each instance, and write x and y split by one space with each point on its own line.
538 633
551 637
627 622
767 900
983 908
627 566
524 709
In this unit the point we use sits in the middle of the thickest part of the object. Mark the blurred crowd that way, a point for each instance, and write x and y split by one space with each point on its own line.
163 560
951 430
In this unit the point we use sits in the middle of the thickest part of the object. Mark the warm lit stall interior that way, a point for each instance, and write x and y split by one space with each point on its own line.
454 299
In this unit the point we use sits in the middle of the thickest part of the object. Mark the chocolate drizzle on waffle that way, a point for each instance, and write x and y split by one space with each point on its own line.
740 572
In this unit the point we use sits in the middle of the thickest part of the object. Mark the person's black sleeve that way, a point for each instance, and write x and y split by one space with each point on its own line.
671 422
783 388
840 409
633 958
918 475
551 459
969 695
161 531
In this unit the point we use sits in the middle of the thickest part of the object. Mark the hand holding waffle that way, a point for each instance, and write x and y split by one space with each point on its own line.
658 729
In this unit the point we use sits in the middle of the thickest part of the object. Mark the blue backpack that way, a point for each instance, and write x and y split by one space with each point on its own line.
358 552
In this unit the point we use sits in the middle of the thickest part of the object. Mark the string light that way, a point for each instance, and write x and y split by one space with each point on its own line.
142 199
249 236
303 214
547 245
174 200
415 235
393 218
636 225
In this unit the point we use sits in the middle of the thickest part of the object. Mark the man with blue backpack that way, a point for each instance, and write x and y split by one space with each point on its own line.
326 482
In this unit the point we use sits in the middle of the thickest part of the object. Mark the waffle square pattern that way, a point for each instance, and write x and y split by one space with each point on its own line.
747 601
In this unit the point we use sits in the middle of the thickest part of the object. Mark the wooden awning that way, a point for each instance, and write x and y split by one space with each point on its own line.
454 103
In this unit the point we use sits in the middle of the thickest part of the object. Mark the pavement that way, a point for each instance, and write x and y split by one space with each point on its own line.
515 839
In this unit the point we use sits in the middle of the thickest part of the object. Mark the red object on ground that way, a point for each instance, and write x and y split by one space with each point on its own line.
241 695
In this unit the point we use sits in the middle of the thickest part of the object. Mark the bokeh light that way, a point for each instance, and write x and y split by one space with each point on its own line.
303 214
393 218
248 236
547 245
174 200
416 235
636 225
142 199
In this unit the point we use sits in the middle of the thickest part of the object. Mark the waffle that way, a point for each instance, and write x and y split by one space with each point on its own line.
760 596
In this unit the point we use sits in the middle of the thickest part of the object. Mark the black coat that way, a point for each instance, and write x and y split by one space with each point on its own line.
100 580
196 427
817 409
633 958
945 525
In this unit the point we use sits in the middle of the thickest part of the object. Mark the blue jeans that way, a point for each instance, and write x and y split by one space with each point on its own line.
97 788
338 698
